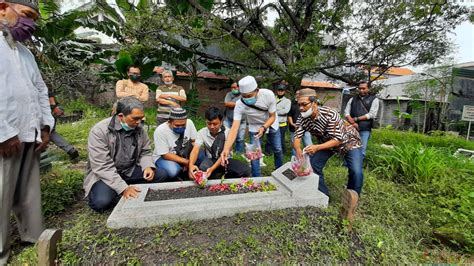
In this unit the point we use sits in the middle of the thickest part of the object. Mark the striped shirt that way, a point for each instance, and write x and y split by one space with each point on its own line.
328 125
163 111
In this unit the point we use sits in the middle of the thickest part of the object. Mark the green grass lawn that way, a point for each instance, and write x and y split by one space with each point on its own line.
395 223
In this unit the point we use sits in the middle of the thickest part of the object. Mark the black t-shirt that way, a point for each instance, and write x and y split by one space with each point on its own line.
294 113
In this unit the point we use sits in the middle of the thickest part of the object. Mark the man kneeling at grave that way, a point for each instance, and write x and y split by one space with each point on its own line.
174 142
213 137
119 155
333 137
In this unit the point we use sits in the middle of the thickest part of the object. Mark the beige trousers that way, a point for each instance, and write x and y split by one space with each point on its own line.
20 193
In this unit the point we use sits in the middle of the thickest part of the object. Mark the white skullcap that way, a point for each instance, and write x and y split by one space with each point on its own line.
247 84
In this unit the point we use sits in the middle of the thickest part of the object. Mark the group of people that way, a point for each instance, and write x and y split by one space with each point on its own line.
120 154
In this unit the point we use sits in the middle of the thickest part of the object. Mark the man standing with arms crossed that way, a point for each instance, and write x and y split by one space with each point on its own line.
25 124
168 96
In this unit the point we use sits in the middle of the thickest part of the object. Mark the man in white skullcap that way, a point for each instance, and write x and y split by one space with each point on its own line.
25 124
259 106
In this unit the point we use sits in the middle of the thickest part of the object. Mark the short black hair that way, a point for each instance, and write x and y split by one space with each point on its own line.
132 66
213 113
363 82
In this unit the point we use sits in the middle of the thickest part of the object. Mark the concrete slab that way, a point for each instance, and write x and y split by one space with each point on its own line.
299 192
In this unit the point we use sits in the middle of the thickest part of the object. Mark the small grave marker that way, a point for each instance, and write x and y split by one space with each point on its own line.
48 246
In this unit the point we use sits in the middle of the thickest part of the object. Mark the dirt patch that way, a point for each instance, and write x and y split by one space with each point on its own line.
186 192
292 235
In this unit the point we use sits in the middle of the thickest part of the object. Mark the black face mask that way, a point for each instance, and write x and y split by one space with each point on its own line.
134 77
280 96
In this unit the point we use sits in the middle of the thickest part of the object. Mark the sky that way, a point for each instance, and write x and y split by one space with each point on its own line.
463 38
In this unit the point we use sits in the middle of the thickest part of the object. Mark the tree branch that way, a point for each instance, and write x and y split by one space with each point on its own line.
267 36
240 37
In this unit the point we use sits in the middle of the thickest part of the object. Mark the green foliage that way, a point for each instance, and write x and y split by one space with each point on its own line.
444 183
59 189
410 164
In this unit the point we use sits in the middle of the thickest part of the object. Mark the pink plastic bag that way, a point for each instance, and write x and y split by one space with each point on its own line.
301 167
253 151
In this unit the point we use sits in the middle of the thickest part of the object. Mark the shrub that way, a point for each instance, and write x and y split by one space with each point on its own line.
59 189
443 183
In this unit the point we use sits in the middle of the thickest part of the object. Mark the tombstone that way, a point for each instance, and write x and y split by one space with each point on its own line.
48 246
290 192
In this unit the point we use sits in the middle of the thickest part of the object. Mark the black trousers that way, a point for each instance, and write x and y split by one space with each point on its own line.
235 169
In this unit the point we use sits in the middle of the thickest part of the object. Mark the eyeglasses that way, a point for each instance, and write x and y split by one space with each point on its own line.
304 104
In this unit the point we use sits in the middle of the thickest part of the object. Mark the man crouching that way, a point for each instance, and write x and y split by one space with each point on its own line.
119 155
210 143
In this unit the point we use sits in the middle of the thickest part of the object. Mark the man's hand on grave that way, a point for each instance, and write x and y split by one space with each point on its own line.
209 172
131 192
148 174
192 169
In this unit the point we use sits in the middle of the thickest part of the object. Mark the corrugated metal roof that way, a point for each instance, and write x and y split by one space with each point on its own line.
395 87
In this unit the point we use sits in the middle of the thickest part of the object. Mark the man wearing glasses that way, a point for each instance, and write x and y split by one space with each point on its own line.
259 106
333 137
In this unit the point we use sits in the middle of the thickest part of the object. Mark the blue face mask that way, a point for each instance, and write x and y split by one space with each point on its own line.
179 130
126 127
250 101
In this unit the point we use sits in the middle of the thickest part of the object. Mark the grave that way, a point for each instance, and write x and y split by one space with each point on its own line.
290 192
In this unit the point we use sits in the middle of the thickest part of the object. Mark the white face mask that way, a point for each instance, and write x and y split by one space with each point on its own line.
308 112
168 82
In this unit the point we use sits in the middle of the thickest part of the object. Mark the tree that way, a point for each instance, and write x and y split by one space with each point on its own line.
307 37
61 54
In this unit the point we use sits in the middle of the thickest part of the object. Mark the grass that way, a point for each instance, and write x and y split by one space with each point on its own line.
399 210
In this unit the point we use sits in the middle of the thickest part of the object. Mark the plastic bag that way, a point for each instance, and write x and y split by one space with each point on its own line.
301 167
253 151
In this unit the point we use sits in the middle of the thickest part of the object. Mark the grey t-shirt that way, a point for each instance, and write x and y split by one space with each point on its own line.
230 97
255 118
166 140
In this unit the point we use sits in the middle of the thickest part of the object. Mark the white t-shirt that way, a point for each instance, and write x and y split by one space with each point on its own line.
204 137
256 118
165 139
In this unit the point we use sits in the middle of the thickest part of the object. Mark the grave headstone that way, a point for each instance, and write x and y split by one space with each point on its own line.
290 192
48 246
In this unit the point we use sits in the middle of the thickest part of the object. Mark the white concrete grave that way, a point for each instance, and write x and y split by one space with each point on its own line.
297 192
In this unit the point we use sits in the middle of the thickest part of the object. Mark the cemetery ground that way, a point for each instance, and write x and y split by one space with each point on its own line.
417 206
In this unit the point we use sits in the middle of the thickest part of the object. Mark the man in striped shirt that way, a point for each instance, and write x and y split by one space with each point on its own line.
333 137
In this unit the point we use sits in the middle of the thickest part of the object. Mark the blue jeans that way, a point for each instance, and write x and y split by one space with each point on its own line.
239 141
353 159
273 136
167 170
364 137
268 146
306 140
102 197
